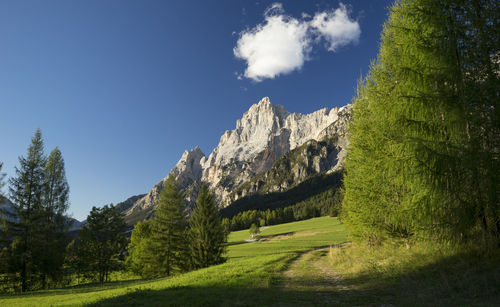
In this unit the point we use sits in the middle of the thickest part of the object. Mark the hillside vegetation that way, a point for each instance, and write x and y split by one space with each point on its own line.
302 264
251 276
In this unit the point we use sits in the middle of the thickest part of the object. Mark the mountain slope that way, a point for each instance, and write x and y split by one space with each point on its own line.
311 158
264 134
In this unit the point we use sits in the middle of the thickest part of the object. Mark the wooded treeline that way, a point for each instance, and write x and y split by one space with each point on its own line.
423 160
327 203
34 228
37 252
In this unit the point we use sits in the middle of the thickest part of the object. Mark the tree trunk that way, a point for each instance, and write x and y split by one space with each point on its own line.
24 282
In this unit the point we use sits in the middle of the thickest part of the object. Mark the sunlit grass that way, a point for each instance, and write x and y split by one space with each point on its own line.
247 278
425 274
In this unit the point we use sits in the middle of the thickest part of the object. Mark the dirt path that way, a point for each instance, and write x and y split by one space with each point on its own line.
312 273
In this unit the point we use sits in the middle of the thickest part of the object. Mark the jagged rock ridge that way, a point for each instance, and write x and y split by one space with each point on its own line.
325 155
265 133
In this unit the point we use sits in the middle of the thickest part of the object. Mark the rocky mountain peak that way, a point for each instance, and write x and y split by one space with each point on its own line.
263 134
189 169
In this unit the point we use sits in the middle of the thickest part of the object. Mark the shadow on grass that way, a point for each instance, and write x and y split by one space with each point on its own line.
81 288
464 279
222 296
283 234
236 243
460 280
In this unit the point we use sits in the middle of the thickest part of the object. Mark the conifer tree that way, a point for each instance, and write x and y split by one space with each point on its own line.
169 228
54 221
75 260
21 230
411 164
207 234
142 259
103 242
475 29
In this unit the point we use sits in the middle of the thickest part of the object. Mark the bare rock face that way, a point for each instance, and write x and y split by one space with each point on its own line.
187 172
188 169
264 134
324 155
337 133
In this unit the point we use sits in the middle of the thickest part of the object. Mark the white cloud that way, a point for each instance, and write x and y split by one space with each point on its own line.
275 9
336 27
278 46
281 44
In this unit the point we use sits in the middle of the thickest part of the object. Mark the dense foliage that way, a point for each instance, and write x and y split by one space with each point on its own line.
207 236
159 246
33 231
102 243
423 158
318 190
166 244
327 203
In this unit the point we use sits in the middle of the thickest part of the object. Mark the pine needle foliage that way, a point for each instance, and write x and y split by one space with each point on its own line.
169 229
51 249
142 259
208 236
21 229
423 155
103 242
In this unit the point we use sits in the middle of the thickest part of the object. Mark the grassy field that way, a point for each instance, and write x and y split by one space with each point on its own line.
251 276
423 275
294 264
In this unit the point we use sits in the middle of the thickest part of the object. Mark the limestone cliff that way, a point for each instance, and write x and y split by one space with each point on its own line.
265 133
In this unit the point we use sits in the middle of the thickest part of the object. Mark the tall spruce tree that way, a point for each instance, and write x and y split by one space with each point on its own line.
169 227
207 234
34 226
54 221
22 224
411 170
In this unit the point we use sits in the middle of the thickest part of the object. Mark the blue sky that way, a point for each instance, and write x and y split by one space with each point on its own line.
124 87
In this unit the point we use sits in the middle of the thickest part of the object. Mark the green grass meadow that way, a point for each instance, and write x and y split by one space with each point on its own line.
306 263
250 277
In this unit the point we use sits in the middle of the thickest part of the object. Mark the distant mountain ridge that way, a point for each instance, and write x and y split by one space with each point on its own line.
264 134
6 204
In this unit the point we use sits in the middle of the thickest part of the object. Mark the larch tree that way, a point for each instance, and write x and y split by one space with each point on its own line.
169 228
142 259
422 150
207 234
54 220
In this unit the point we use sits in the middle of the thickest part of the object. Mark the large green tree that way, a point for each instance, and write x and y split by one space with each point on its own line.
54 222
34 226
207 234
423 156
21 231
159 246
103 242
169 228
142 259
